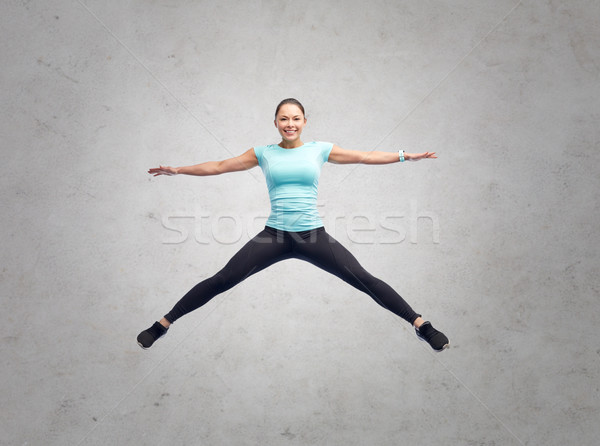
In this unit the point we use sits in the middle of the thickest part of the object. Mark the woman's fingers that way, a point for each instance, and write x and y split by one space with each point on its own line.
420 156
162 170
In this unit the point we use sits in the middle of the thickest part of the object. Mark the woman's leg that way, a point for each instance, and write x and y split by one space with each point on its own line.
260 252
263 250
322 250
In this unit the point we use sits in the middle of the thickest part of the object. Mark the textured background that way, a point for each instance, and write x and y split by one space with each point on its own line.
496 241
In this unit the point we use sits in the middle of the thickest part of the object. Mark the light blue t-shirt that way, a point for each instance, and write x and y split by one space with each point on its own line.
292 178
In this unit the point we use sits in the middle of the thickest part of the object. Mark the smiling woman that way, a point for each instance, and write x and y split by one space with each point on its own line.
290 121
294 228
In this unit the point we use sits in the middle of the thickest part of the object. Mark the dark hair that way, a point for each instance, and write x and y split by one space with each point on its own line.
289 101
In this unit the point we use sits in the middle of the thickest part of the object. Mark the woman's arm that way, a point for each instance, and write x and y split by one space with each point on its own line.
344 156
245 161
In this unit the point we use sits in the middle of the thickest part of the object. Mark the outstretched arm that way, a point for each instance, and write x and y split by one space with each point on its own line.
245 161
344 156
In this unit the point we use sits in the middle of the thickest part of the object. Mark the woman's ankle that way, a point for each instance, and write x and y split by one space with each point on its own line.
418 322
165 323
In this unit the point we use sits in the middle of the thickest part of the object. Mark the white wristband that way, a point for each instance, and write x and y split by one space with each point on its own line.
401 155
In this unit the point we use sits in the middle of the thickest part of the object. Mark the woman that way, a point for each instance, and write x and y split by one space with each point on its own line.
294 228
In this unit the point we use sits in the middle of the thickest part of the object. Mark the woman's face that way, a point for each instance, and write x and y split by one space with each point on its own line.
290 122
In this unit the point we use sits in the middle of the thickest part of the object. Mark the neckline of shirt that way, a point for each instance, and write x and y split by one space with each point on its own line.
291 148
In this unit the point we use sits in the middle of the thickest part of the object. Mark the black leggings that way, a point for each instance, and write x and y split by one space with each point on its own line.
273 245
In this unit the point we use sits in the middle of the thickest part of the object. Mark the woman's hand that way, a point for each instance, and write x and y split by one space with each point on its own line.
163 170
418 156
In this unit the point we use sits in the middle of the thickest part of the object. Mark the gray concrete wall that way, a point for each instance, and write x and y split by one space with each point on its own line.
496 241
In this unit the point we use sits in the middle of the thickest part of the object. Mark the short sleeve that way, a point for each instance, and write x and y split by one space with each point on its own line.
258 151
326 148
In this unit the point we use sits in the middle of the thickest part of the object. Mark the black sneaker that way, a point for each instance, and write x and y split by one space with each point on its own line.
436 339
147 337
